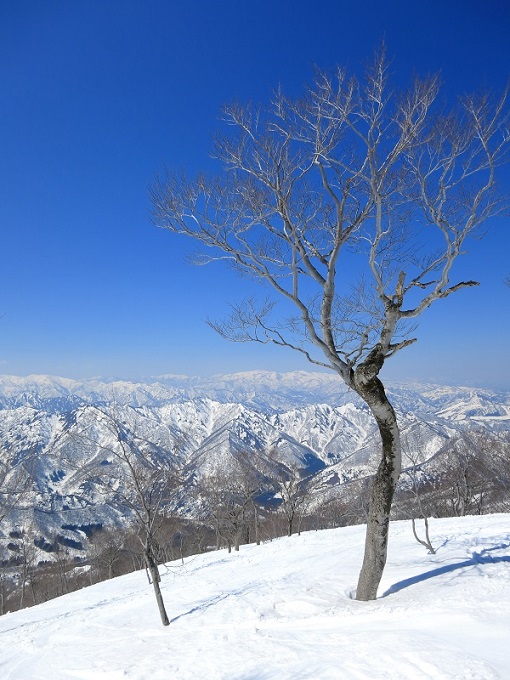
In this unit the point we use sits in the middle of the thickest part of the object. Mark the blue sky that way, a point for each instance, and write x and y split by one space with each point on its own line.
96 98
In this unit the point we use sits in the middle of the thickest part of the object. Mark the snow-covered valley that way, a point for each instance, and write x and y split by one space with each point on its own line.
55 427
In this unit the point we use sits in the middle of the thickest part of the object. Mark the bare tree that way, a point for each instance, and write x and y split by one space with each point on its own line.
478 475
15 485
290 483
228 499
250 485
106 551
28 561
15 481
351 205
413 451
139 485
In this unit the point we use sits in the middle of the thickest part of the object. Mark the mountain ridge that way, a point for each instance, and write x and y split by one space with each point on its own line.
306 420
258 388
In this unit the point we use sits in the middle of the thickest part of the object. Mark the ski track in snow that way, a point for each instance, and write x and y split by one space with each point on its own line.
282 611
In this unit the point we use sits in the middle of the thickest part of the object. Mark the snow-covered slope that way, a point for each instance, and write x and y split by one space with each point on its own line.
283 611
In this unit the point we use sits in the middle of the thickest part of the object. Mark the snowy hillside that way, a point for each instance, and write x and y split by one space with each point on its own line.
308 420
282 611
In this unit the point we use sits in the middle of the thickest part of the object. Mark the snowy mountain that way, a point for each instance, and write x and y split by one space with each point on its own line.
283 610
261 390
308 421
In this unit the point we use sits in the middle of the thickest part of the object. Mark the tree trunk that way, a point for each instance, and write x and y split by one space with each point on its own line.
290 523
257 526
426 543
155 578
383 488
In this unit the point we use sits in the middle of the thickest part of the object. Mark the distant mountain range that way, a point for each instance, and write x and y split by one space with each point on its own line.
307 420
262 390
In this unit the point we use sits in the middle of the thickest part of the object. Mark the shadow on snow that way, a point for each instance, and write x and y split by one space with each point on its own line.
477 559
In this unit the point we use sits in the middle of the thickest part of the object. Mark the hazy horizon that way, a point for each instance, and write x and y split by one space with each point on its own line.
388 381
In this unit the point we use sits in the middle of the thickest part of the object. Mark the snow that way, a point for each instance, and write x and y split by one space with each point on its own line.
283 611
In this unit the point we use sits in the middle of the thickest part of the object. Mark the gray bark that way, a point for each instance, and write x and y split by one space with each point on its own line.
383 489
156 578
426 543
